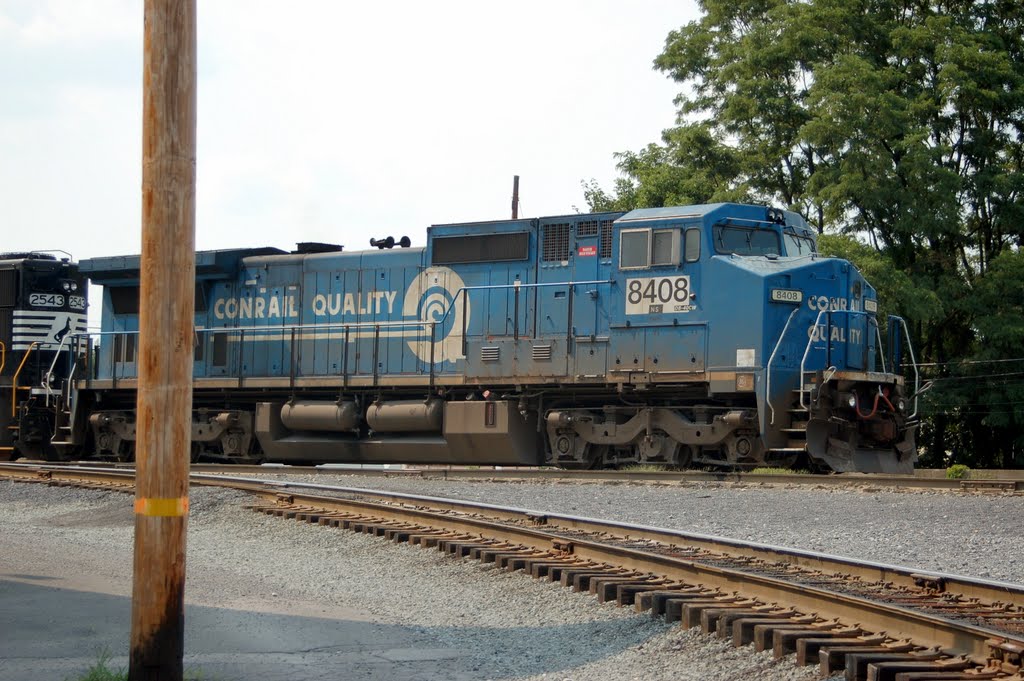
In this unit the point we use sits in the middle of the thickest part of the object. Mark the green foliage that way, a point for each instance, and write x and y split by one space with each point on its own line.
958 472
897 129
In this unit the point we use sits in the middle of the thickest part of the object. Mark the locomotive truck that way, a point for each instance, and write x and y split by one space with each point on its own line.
709 335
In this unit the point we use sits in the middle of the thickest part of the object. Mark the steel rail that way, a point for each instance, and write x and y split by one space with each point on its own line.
971 587
601 542
1006 481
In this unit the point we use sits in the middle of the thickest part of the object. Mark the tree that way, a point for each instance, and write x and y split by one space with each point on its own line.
897 122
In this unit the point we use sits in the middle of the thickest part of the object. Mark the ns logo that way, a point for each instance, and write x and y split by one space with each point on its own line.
437 299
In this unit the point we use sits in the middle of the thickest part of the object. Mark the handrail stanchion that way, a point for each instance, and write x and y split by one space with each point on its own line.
376 353
913 363
344 360
241 355
90 369
568 328
768 368
291 364
465 299
517 286
433 335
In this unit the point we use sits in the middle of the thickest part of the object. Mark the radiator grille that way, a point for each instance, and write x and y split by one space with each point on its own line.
8 288
587 228
556 242
6 326
606 238
504 247
542 353
490 353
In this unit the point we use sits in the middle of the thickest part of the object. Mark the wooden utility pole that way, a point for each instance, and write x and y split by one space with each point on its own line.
166 315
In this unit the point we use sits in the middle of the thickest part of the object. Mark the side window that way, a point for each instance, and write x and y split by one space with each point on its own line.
634 249
692 253
642 248
665 248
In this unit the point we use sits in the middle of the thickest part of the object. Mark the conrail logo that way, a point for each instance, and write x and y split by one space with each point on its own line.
432 299
433 314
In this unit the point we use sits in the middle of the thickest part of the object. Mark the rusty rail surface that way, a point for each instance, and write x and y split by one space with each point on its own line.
1004 481
871 619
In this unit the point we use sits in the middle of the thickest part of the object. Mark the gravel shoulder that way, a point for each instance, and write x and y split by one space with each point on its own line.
469 620
969 534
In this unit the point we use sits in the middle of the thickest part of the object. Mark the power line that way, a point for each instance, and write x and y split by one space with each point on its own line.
970 361
974 377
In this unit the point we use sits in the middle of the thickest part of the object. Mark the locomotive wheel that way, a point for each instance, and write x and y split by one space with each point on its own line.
592 460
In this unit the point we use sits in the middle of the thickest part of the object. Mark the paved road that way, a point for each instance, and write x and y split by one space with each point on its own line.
56 633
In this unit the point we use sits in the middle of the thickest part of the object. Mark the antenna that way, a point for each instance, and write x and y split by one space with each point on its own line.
515 197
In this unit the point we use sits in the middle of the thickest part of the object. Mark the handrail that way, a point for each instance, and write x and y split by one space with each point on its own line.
768 367
377 326
519 285
807 349
363 325
3 355
878 337
879 353
14 379
49 372
913 362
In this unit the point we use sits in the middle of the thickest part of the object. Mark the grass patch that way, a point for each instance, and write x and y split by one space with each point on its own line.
644 468
774 470
958 472
100 671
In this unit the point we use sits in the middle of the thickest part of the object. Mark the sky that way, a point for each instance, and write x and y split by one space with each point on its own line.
327 121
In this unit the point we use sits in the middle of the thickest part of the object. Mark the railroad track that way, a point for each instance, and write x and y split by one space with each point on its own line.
865 620
1002 483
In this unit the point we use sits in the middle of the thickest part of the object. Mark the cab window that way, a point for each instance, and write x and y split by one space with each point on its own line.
643 248
745 241
798 245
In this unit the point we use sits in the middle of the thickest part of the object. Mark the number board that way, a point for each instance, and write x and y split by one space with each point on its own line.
46 300
658 295
786 295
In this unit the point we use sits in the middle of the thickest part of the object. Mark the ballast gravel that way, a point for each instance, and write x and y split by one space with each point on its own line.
491 624
973 534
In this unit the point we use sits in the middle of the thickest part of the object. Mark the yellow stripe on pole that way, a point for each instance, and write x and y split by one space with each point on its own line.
163 508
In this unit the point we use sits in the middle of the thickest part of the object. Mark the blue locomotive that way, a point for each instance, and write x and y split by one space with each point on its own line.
709 335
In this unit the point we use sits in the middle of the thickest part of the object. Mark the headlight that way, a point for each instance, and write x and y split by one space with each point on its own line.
901 405
851 401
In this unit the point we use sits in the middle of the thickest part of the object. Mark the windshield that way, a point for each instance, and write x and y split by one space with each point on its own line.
745 240
798 245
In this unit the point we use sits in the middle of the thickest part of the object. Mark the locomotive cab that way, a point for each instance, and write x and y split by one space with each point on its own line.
42 307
